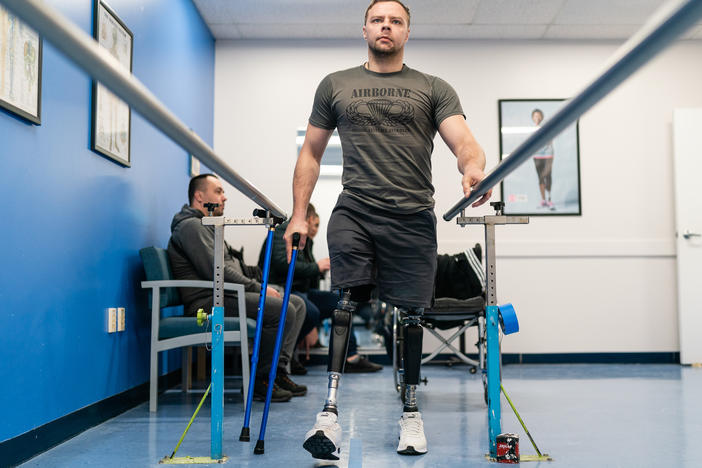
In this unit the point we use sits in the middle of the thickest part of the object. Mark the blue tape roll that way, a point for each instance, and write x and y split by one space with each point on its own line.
508 319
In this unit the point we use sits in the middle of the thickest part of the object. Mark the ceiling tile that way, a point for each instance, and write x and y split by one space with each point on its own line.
607 12
225 31
443 11
213 11
522 12
477 31
296 11
300 31
597 32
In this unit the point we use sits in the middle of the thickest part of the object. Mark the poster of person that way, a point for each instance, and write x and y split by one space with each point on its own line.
20 68
549 182
111 115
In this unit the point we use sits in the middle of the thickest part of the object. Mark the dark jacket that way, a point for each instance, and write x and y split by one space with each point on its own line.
307 274
191 251
456 278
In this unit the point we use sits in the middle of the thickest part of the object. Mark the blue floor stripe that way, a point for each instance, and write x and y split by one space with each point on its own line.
356 454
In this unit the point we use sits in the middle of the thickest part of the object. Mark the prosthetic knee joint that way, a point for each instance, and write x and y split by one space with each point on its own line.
412 353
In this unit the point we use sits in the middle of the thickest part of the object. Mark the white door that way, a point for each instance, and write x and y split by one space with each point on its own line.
687 147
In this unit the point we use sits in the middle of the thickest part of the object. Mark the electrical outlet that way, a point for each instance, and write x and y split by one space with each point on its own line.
121 319
111 320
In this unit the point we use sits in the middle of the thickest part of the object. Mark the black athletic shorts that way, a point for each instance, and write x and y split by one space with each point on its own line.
395 252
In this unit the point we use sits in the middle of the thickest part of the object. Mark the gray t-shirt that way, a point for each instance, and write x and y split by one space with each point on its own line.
387 123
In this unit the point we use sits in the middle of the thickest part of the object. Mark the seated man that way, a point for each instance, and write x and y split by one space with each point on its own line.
320 304
191 249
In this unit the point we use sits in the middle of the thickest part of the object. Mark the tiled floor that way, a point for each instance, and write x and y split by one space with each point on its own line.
582 415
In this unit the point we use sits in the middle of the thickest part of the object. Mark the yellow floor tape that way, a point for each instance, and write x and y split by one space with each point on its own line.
525 458
542 457
191 460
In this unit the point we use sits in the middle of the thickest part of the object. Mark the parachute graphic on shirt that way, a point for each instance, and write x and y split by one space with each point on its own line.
380 112
379 108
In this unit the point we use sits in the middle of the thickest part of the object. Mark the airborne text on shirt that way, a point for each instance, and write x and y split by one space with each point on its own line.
379 92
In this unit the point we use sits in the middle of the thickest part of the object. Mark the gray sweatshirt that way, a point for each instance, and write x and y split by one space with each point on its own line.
191 251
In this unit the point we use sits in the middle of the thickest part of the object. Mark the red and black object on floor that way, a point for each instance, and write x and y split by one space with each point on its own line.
507 448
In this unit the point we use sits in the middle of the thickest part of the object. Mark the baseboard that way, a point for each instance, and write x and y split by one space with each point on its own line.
593 358
537 358
32 443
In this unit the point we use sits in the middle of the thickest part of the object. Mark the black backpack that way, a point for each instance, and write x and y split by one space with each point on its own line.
456 278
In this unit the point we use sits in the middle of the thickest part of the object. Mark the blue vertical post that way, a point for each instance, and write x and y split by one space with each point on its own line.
493 377
217 321
217 382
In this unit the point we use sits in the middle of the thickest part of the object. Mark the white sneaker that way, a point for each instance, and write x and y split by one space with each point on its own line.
323 440
412 440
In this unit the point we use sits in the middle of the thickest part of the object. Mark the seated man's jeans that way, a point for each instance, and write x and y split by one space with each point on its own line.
320 305
271 317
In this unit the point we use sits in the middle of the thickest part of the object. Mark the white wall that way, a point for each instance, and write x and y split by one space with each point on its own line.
601 282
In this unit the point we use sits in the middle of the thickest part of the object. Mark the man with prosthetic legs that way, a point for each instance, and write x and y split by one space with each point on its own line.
382 232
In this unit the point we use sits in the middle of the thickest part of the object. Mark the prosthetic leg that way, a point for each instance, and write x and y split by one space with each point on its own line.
411 353
412 439
323 440
338 346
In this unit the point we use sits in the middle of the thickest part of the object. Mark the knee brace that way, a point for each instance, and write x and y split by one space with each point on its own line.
412 352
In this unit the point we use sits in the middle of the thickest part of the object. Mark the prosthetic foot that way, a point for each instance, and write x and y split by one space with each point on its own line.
323 440
412 440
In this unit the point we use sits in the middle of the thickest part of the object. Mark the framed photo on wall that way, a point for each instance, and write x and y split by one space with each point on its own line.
194 166
111 117
20 68
549 183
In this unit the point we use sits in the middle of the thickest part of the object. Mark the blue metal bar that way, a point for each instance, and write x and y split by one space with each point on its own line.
493 376
666 25
217 400
244 437
259 449
97 62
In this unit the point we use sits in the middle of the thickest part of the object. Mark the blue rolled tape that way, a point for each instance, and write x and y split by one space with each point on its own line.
508 319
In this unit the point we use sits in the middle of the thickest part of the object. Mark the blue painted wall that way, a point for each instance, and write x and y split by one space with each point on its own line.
74 221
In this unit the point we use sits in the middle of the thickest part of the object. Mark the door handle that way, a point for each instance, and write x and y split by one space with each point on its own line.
688 235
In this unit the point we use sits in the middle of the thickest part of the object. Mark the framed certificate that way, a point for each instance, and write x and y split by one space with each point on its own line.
111 117
20 68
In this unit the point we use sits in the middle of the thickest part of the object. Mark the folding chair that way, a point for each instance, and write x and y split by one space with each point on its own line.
447 313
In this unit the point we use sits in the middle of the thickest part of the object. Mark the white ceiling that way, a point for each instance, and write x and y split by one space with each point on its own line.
434 19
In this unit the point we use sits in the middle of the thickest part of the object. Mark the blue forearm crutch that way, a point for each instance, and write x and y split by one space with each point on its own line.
244 436
259 449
